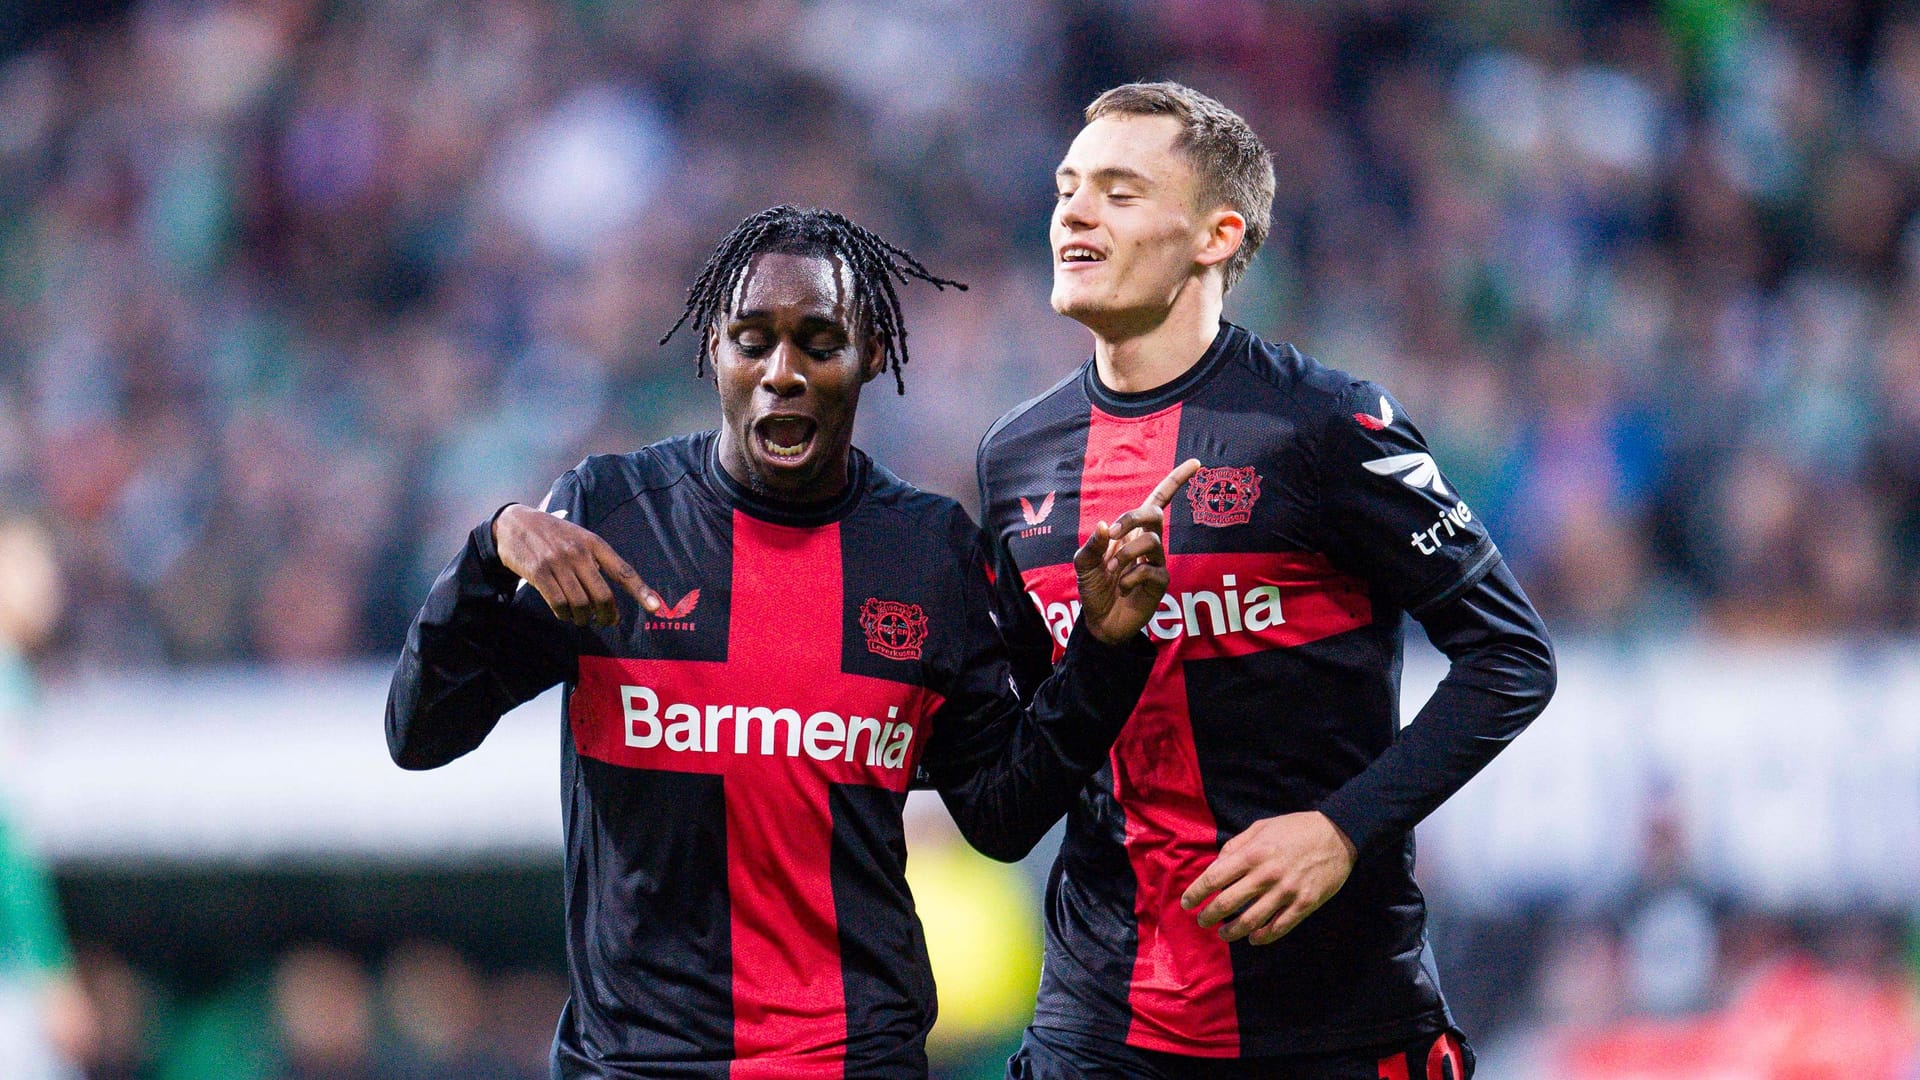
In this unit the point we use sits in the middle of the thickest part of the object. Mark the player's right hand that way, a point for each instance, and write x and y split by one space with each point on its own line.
1122 568
568 565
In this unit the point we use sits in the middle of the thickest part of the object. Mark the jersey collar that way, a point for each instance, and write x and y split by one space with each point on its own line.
779 512
1225 343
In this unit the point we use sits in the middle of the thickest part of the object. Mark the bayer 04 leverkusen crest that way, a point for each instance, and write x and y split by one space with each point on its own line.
894 629
1223 496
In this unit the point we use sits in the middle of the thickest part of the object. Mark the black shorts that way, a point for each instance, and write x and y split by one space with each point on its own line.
1051 1054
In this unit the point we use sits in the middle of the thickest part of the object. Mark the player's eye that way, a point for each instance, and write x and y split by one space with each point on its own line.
752 343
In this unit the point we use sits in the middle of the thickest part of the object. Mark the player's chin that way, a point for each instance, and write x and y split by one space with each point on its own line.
1076 303
785 474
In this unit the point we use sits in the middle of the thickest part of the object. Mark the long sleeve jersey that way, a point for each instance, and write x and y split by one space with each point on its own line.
1318 519
734 766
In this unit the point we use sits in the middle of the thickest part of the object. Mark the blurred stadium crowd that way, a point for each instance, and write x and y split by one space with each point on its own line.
317 1013
292 293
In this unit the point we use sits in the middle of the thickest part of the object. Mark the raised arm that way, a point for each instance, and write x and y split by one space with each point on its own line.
1006 771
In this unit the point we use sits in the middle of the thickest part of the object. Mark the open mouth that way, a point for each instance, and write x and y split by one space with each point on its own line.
1074 254
786 438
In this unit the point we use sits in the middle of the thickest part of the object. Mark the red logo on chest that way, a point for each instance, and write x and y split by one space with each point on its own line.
894 629
1035 518
676 616
1223 496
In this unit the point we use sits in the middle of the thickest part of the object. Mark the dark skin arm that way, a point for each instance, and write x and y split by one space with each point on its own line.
1122 570
573 569
1008 772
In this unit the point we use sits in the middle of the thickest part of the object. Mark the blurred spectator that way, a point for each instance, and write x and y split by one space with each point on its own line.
323 1011
48 1020
1846 1016
1581 982
121 1002
437 1007
48 1023
1667 923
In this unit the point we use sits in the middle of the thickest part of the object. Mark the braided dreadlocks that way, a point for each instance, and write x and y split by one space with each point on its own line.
793 230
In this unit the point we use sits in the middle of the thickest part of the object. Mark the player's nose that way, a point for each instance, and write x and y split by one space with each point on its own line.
783 375
1076 211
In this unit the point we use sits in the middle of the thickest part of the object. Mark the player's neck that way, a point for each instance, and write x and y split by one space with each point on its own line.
1135 361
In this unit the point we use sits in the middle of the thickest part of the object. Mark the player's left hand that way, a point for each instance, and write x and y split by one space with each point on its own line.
1122 568
1273 875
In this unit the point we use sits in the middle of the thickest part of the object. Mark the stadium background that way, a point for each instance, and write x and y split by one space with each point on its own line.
293 292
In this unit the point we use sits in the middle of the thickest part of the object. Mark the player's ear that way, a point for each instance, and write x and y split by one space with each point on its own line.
1226 230
873 362
710 347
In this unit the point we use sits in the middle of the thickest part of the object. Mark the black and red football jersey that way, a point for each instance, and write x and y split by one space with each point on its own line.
1318 519
734 767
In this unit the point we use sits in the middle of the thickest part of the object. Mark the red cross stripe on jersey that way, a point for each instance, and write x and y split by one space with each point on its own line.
779 721
1218 604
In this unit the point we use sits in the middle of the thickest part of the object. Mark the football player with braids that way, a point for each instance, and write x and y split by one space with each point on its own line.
874 264
735 762
1234 896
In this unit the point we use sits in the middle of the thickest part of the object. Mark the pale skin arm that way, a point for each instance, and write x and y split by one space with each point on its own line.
1273 875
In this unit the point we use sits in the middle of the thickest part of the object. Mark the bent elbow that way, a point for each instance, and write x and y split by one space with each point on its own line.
1544 678
1005 851
408 754
412 758
1549 679
404 743
1001 845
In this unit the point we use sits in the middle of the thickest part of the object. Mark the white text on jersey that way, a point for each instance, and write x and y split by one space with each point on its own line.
823 736
1189 613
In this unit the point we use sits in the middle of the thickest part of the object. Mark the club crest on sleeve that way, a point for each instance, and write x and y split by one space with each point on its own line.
1223 496
895 630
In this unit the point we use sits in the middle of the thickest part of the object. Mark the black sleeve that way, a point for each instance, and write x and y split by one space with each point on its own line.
1007 772
1388 513
1501 676
1029 644
480 646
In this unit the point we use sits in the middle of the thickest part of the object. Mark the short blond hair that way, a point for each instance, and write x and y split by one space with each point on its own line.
1233 165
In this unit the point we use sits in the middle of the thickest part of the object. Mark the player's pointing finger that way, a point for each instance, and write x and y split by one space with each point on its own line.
627 577
1163 494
